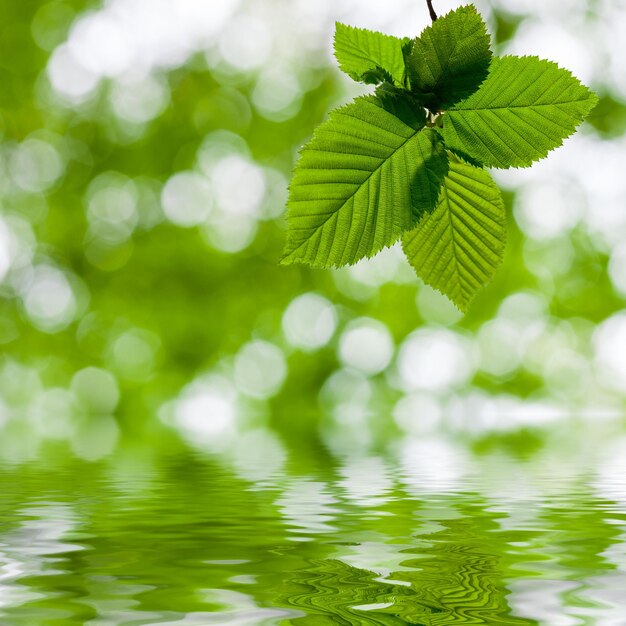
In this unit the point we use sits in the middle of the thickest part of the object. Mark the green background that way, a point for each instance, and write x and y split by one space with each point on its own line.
192 434
144 164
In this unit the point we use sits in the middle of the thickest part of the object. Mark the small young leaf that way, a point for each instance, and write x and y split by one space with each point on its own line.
368 56
377 76
457 248
450 59
402 104
362 181
465 157
525 108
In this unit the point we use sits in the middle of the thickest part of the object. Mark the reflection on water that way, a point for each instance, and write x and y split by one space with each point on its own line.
424 537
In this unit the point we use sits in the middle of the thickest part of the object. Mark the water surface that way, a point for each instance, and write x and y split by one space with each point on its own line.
369 540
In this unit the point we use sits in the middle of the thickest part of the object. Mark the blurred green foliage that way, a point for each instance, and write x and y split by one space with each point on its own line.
100 276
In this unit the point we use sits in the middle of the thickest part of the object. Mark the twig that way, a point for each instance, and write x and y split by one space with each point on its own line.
433 15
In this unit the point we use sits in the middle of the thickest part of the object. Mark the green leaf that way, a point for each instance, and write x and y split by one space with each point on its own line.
525 108
457 248
368 56
402 104
429 178
362 181
450 59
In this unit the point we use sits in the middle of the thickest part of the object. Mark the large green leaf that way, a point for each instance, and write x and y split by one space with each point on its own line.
450 59
369 56
525 108
457 248
362 181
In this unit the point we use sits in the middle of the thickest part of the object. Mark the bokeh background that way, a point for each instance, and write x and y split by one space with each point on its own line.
146 148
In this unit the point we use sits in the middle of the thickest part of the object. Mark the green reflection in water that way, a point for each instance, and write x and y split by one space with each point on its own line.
185 541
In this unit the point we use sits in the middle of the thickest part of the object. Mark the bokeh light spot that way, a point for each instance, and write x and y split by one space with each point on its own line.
309 322
69 78
609 341
36 165
434 360
260 369
133 354
139 99
277 95
112 207
49 300
246 43
187 199
366 345
96 390
206 412
239 185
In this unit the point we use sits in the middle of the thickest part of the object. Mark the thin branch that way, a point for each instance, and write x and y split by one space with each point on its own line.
433 15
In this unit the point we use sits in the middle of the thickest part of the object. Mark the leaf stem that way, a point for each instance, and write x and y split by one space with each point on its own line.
431 10
434 120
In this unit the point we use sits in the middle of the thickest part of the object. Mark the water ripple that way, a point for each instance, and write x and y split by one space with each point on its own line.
362 543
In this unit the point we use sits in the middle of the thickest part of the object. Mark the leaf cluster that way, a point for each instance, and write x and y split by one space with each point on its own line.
407 162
